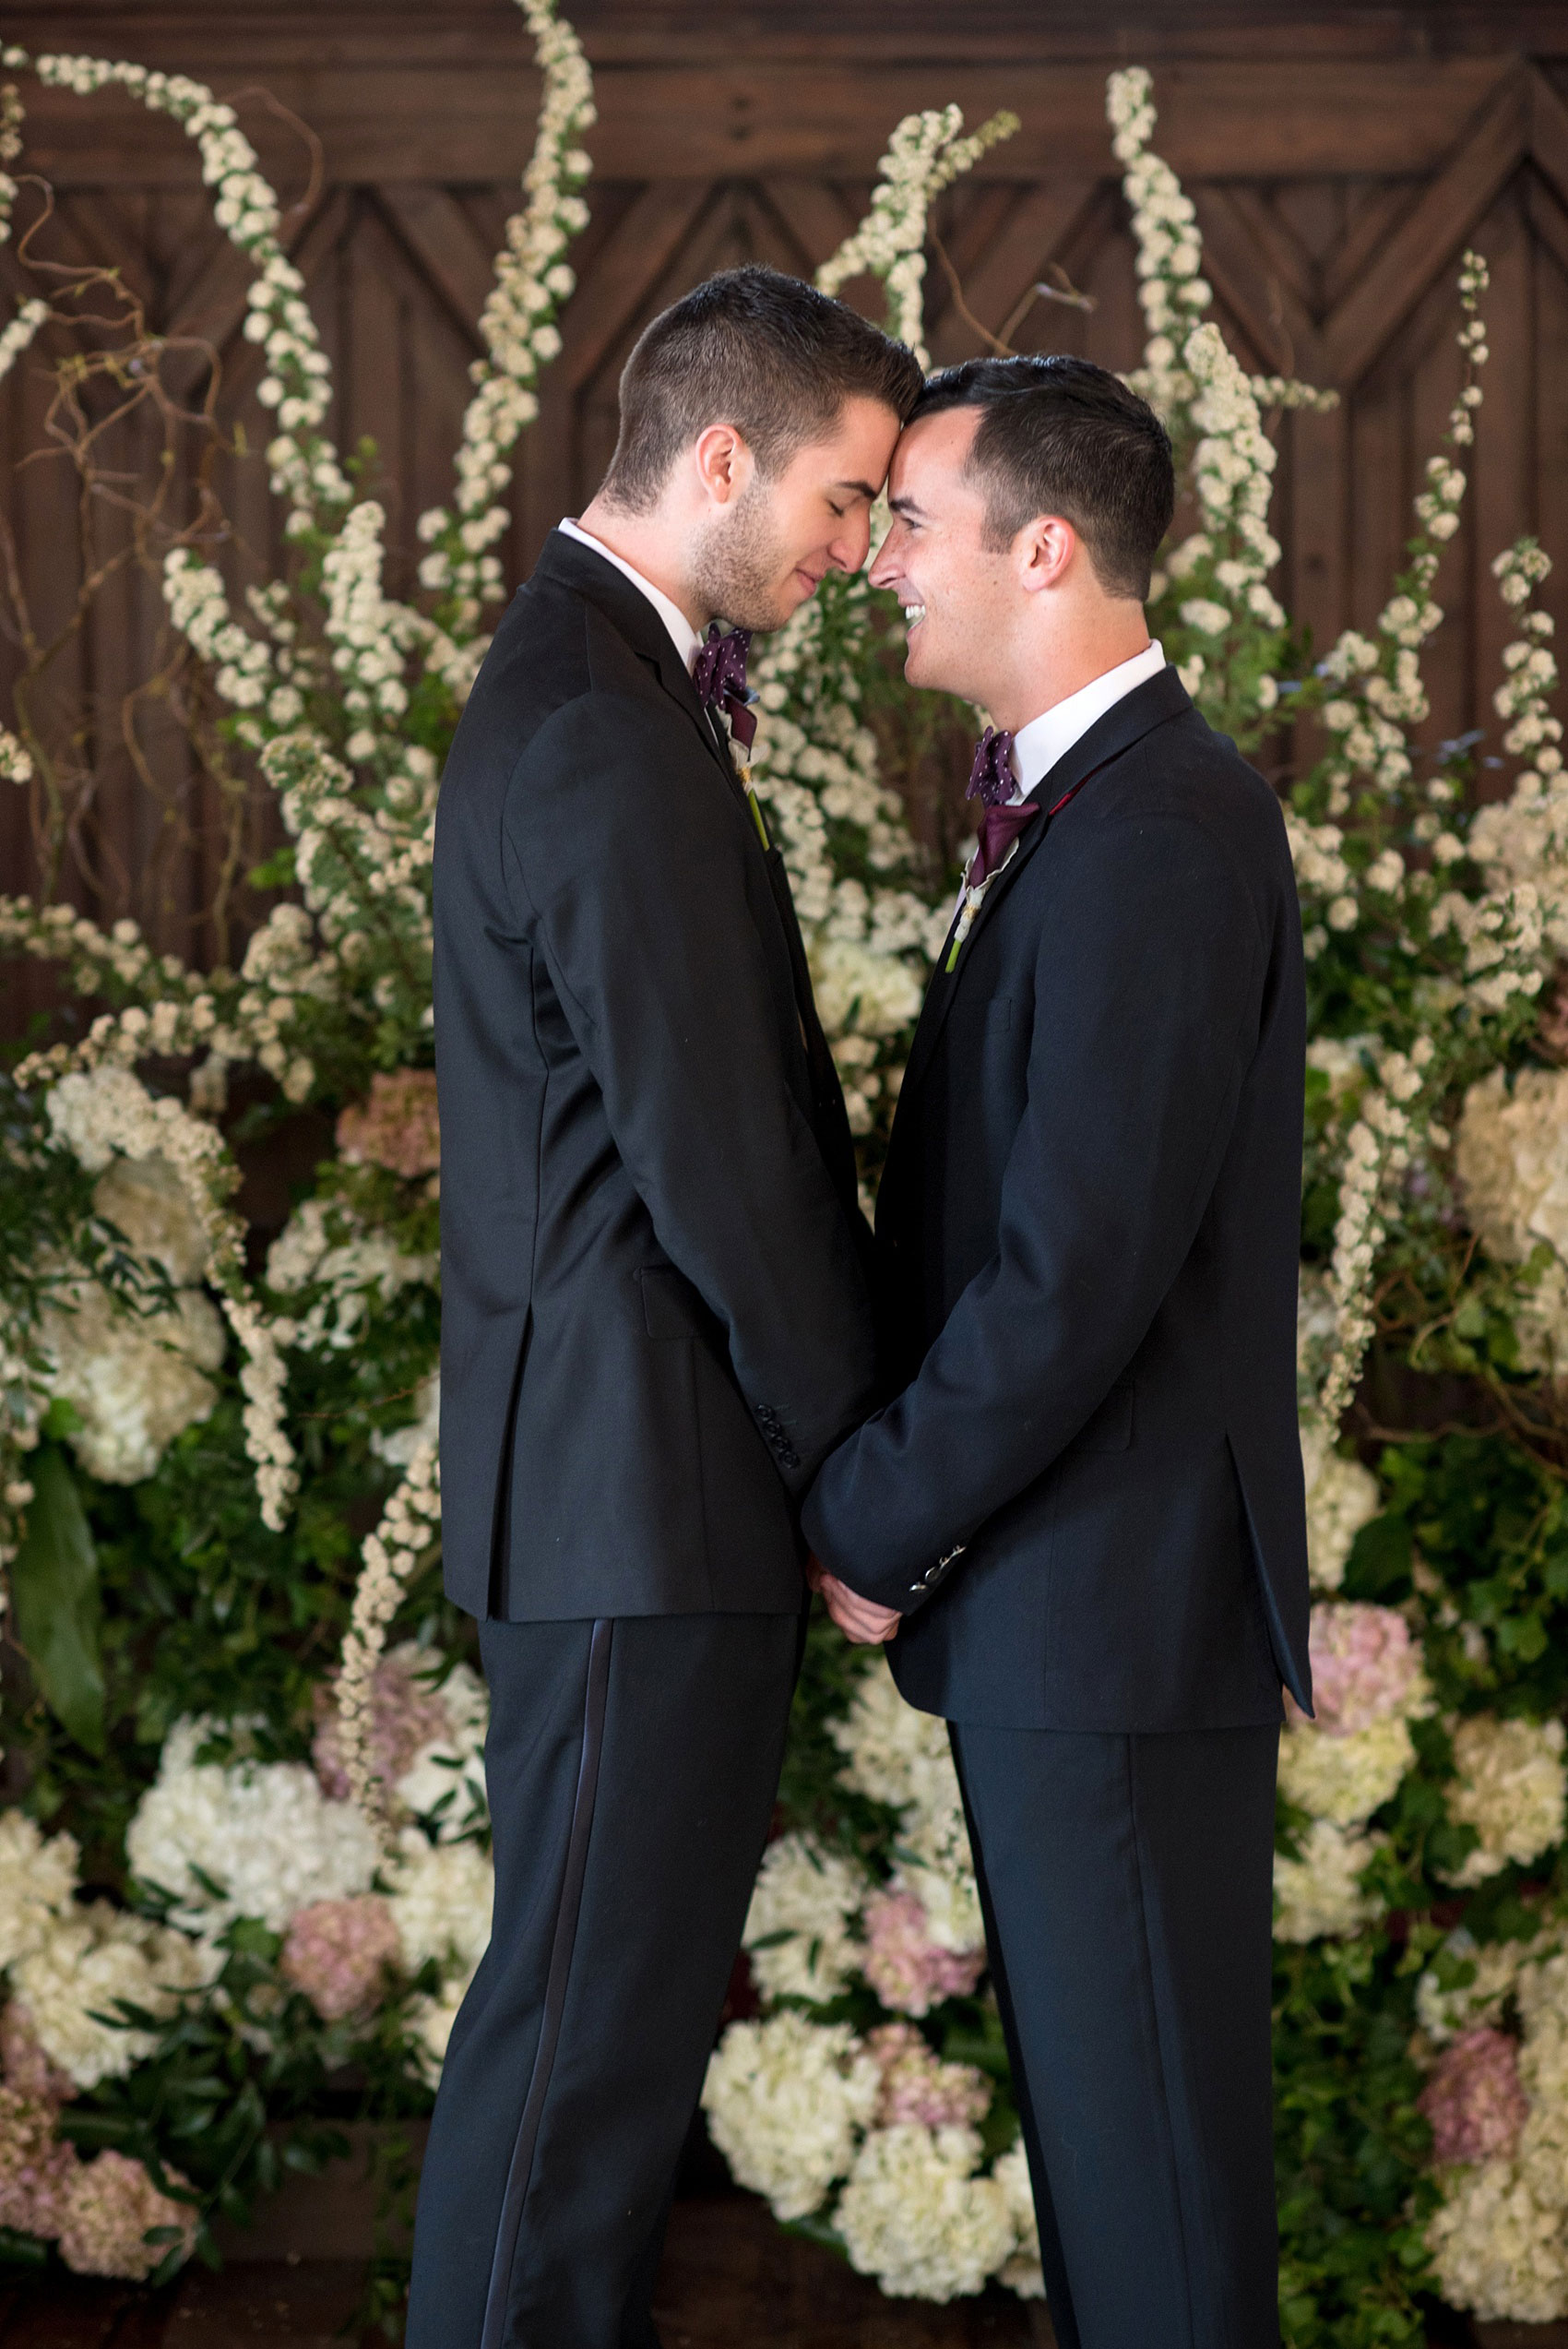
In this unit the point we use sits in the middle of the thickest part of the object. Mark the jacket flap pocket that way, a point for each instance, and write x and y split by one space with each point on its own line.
671 1308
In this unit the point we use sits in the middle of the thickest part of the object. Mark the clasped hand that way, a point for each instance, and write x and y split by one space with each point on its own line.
860 1620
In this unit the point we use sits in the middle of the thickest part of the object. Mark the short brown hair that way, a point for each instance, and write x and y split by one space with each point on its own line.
755 349
1061 436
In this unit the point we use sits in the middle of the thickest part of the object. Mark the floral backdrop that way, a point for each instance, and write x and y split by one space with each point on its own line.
246 1880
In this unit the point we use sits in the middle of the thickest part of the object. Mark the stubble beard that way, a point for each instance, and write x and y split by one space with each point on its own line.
739 564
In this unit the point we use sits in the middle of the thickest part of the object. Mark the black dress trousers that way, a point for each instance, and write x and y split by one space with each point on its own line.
632 1767
1127 1886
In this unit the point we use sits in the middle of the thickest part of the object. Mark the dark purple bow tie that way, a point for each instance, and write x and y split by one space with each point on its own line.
719 675
992 777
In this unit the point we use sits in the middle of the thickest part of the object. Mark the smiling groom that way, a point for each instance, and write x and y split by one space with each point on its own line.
655 1322
1082 1515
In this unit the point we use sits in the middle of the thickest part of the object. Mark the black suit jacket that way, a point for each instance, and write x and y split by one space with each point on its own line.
1087 1497
654 1320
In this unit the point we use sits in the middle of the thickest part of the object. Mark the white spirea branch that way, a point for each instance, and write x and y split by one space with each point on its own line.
389 1557
520 335
925 154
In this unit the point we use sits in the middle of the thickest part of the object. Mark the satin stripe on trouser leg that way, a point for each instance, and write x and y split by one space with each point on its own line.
693 1727
1127 1882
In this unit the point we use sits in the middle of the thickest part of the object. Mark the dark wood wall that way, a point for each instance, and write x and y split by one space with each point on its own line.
1341 158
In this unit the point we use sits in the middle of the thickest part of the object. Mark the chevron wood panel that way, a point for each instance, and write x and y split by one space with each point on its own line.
1338 167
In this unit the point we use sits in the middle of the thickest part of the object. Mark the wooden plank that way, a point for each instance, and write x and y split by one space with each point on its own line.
1036 228
1266 307
1219 118
1429 239
438 235
1547 131
635 258
815 215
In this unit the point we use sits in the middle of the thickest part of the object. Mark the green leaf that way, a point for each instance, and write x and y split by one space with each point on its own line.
55 1592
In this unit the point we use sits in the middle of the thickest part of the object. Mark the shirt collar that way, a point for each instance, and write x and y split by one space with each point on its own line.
687 642
1038 746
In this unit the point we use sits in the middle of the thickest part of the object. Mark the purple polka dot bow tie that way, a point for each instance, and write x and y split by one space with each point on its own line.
719 675
991 778
992 782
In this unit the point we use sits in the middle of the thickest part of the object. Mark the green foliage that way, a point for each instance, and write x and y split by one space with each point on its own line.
55 1592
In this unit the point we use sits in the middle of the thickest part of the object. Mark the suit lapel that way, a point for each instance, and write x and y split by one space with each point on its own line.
1127 720
573 565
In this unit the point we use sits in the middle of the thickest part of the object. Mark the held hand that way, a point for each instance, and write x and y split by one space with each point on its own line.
860 1620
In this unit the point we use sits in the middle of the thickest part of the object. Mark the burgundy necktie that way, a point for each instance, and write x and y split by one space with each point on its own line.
999 828
719 675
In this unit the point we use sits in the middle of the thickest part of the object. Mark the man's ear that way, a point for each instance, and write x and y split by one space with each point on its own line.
724 464
1044 551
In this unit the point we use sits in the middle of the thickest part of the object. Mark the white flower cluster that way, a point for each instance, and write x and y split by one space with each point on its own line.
786 2101
389 1556
14 341
915 2215
517 323
263 1832
815 766
72 1965
106 1112
444 1786
440 1896
1377 1151
799 1926
135 1381
1511 1156
1172 289
1499 2240
900 1757
324 1248
10 139
1321 1892
1511 1789
925 154
1342 1496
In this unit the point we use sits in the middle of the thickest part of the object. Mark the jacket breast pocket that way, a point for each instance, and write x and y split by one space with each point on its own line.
671 1308
1109 1429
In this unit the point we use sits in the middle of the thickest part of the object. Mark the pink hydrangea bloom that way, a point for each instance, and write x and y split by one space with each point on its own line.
36 2165
1473 2102
918 2086
27 2068
397 1127
1365 1665
405 1713
908 1971
338 1953
110 2206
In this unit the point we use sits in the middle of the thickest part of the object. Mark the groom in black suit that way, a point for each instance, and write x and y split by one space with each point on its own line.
1082 1515
655 1322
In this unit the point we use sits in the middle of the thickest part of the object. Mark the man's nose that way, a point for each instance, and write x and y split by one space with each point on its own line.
883 569
849 548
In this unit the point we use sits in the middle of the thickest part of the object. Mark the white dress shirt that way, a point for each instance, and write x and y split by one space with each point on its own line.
688 643
1038 746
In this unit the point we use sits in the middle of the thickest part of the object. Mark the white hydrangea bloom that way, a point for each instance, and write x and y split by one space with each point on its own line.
450 1768
263 1830
92 1958
37 1876
786 2101
441 1897
915 2215
430 2022
1495 2251
1318 1894
1022 2272
135 1381
811 1896
1495 1969
901 1757
1510 1788
1344 1779
1512 1157
1342 1496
